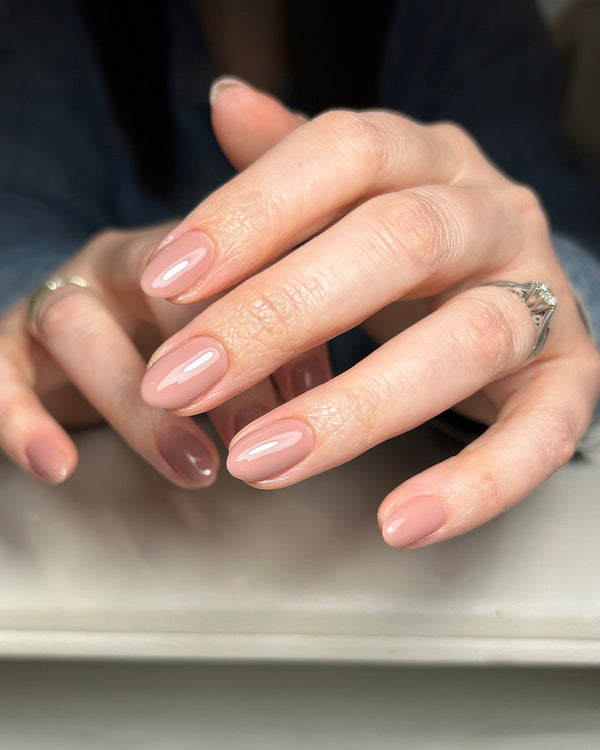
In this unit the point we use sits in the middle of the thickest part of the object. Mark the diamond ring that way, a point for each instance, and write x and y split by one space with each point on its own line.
541 303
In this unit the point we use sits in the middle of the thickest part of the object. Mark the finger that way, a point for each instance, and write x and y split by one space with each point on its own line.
315 174
536 434
415 242
476 337
28 434
100 359
247 122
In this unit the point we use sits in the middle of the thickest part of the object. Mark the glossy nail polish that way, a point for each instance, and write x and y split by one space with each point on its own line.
47 460
270 450
184 373
178 265
413 521
187 456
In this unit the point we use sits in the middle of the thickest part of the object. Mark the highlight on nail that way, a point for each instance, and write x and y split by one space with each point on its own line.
187 456
184 373
270 450
46 460
179 265
413 521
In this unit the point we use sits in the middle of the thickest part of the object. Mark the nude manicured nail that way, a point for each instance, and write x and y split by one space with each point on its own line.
47 460
413 521
270 450
178 265
187 456
184 373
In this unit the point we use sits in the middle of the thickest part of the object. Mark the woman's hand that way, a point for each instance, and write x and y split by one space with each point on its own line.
386 212
84 364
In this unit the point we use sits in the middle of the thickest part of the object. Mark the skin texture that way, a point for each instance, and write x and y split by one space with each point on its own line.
52 382
402 226
396 224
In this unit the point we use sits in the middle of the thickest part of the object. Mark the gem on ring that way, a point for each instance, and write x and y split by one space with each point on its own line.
541 303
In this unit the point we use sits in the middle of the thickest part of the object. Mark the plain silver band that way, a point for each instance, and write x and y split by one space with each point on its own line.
47 287
541 303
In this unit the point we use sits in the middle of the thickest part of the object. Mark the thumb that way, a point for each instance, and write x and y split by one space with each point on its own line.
247 122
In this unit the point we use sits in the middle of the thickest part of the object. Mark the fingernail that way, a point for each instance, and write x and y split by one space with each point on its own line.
270 450
47 460
247 415
187 456
220 84
184 373
307 374
178 265
413 521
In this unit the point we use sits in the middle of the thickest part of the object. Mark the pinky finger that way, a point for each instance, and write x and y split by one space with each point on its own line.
29 435
536 433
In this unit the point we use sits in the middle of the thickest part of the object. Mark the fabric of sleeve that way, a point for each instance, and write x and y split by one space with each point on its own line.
55 142
492 68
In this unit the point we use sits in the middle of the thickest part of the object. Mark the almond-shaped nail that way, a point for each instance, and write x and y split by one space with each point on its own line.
187 456
270 450
184 373
179 265
48 461
413 521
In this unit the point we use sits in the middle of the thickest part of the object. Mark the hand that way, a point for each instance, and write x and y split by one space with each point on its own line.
85 364
386 211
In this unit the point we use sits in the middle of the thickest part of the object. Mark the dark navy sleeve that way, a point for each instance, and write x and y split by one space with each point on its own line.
56 171
491 67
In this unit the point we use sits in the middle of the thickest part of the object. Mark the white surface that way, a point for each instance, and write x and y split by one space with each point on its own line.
117 562
187 707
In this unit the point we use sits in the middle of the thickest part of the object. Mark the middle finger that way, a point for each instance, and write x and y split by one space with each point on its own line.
417 241
312 176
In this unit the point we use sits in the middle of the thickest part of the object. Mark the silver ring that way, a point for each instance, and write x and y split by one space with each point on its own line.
541 303
47 287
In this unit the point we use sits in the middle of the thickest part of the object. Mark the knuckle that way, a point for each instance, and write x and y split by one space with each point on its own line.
486 329
276 316
358 136
451 131
259 211
12 411
557 430
414 226
488 484
355 415
109 237
455 137
526 204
